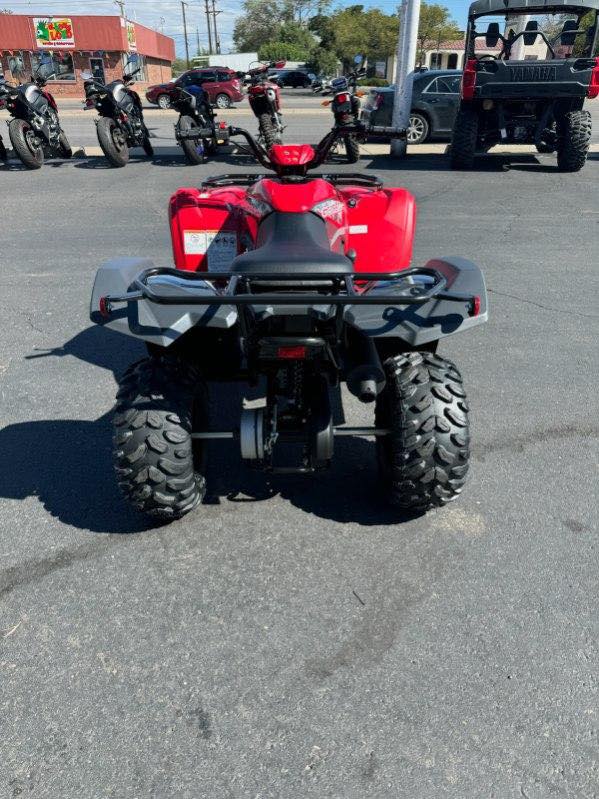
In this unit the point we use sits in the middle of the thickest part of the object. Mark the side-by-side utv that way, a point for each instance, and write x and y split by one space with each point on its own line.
529 67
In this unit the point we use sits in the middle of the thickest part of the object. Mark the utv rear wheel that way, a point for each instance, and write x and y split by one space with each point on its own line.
190 146
573 139
156 464
112 141
23 138
352 149
464 139
424 459
267 130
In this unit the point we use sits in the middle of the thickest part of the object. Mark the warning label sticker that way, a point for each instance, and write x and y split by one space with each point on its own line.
219 246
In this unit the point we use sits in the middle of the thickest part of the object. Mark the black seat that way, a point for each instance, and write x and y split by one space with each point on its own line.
290 243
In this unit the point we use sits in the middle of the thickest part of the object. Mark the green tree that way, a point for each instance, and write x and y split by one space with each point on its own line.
258 23
371 33
436 26
294 42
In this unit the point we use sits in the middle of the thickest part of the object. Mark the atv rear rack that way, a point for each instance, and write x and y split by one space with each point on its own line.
336 178
328 289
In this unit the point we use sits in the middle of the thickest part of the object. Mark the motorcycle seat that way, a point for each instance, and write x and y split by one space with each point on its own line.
289 243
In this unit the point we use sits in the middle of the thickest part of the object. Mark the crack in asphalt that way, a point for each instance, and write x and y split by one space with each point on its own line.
539 305
519 443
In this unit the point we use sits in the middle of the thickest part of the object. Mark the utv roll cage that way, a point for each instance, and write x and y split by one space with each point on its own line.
566 36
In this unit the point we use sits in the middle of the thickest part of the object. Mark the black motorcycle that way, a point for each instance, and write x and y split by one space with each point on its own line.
121 124
4 93
196 130
34 129
345 106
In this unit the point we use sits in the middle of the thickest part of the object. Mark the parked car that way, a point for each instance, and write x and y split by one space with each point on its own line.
222 84
292 78
435 101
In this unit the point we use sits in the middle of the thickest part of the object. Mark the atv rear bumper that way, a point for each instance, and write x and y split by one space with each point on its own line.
159 305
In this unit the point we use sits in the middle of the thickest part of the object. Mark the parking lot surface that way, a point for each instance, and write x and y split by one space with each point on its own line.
297 638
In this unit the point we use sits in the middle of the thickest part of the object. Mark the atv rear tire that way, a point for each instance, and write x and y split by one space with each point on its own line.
464 139
425 458
190 146
352 149
573 140
115 150
21 135
64 148
267 130
156 464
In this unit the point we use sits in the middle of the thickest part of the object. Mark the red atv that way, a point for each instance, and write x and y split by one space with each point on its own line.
294 284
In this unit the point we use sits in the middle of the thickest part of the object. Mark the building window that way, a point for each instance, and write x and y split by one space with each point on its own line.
436 60
61 65
452 61
16 65
132 62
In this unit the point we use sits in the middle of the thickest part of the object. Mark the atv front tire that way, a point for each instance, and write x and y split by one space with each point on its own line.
464 139
267 131
112 142
424 460
573 140
21 136
156 464
352 149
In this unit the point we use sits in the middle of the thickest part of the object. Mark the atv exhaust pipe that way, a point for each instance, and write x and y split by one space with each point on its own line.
366 376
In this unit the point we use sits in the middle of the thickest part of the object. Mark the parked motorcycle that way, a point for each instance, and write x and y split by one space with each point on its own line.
4 93
265 101
345 106
196 130
121 124
34 129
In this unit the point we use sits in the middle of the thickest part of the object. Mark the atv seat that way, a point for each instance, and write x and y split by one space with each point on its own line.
290 243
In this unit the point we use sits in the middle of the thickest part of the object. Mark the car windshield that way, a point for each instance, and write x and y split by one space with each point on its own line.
533 37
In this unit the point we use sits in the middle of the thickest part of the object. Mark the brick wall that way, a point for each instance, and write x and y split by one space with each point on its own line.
157 71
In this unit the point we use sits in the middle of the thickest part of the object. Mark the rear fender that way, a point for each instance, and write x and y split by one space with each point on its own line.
151 322
418 325
381 228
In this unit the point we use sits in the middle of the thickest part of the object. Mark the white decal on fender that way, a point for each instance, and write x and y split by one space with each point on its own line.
358 229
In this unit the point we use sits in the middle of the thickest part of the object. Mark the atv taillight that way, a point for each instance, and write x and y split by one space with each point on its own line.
292 353
469 80
104 307
593 90
475 310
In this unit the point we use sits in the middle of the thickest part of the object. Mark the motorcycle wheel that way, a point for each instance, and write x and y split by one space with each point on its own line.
352 149
112 142
190 146
21 137
64 148
267 131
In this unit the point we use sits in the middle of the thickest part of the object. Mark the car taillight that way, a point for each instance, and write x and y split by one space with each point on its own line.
469 79
593 90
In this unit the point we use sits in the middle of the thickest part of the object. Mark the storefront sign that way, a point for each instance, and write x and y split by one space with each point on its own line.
53 33
131 42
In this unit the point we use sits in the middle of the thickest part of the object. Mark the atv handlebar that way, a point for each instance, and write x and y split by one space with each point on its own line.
322 149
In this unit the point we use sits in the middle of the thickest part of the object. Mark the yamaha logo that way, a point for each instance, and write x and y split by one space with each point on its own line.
533 73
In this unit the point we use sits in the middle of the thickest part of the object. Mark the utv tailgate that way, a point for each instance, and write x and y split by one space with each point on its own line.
533 79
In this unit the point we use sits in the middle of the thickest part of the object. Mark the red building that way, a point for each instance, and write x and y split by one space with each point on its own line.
80 43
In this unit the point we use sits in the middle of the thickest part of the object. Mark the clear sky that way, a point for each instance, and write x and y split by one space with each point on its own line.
167 14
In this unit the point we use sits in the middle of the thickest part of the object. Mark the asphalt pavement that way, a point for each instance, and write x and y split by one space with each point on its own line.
297 638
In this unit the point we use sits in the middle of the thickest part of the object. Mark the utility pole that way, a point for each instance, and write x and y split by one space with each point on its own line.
209 26
121 5
216 39
198 39
183 5
404 78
